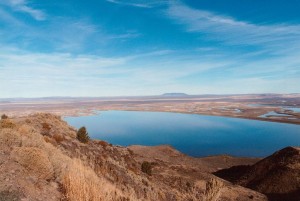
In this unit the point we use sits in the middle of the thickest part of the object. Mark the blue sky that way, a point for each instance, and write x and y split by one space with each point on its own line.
141 47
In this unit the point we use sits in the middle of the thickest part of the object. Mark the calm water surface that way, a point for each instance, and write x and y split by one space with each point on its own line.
195 135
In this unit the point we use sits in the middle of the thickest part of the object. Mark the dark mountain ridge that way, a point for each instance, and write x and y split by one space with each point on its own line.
277 176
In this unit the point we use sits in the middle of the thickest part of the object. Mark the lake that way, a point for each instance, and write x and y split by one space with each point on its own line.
192 134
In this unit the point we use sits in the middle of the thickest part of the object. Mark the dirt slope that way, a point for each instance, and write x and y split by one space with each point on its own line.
168 154
41 159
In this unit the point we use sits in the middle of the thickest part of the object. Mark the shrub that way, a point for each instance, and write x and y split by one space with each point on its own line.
4 116
7 123
146 167
10 138
45 129
103 143
82 135
58 137
46 126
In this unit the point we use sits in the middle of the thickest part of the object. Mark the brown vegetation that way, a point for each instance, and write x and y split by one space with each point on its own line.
213 188
35 160
4 116
58 137
7 123
81 184
146 167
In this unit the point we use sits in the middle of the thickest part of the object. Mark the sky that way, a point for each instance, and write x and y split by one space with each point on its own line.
141 47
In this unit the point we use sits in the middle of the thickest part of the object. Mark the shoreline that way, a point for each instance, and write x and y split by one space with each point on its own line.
192 113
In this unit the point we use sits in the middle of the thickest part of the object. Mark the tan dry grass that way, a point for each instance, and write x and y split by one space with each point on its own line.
82 184
35 160
7 123
58 137
213 188
9 137
45 161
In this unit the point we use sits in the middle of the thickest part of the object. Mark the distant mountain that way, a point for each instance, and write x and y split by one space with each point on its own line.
277 176
175 94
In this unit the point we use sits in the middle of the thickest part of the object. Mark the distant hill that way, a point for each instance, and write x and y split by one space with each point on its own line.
174 94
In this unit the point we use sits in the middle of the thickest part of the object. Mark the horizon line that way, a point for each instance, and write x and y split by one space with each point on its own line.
164 94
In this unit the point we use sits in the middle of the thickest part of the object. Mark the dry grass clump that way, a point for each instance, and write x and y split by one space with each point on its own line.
103 143
4 116
50 140
213 188
35 160
9 137
82 184
7 123
146 167
30 137
49 124
58 137
46 128
59 161
25 129
27 137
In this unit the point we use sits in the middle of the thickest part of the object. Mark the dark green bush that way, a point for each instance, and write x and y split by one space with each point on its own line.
146 167
82 135
4 116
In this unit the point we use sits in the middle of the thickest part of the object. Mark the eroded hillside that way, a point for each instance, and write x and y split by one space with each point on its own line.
41 159
277 176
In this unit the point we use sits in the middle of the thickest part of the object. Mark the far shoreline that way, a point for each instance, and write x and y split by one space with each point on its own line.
204 114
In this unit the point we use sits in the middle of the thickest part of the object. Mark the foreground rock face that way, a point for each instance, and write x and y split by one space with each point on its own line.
277 176
41 159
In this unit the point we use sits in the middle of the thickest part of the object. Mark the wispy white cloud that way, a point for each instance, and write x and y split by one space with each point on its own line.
27 73
139 3
59 34
42 74
23 6
46 74
9 19
230 30
125 36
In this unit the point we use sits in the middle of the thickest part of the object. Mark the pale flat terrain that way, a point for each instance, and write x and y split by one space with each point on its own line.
283 107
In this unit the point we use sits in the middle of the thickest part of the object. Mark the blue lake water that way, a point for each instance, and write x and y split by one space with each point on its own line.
294 109
195 135
275 114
